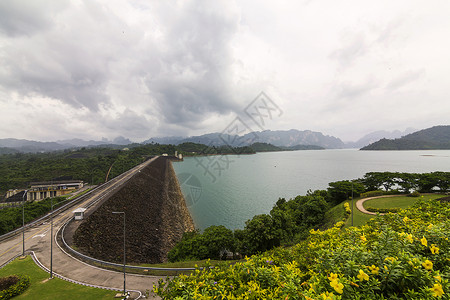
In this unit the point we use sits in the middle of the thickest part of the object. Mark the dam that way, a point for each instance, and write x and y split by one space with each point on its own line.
155 213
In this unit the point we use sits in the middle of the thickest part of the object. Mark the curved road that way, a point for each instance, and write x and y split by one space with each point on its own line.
37 239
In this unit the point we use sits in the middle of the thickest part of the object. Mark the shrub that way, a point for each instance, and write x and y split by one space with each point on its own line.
383 210
22 282
372 194
395 256
414 194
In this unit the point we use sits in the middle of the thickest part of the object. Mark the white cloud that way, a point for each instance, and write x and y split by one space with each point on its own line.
140 69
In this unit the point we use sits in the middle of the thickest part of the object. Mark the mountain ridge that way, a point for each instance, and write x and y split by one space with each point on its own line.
433 138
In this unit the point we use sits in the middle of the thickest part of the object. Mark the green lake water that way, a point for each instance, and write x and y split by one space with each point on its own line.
228 190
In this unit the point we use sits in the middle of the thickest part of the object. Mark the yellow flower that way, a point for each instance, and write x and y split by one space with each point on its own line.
424 241
337 286
437 290
405 219
438 277
428 265
363 238
374 269
362 276
332 277
327 296
409 237
434 249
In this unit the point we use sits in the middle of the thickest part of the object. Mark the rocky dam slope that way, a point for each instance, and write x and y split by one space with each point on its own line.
156 218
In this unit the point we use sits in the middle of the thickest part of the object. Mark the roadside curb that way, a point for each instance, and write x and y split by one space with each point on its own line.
38 263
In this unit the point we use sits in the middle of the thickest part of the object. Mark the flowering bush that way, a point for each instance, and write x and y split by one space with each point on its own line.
18 288
395 256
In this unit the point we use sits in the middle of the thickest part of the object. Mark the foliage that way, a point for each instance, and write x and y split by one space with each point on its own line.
372 194
190 148
213 243
11 217
22 283
288 221
424 183
342 190
265 147
383 210
414 194
395 256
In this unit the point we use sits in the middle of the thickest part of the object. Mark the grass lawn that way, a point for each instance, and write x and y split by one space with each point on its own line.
43 289
358 217
400 201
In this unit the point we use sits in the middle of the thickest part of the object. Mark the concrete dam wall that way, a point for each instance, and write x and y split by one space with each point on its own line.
156 218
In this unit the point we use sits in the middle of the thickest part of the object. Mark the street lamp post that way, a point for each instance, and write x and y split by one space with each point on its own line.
23 222
51 241
352 202
124 253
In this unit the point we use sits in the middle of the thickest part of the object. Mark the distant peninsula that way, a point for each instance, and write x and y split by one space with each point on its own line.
434 138
266 147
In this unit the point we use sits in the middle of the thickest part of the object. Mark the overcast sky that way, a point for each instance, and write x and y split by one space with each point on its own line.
140 69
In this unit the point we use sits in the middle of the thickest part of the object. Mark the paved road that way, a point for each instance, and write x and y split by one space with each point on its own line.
360 204
38 237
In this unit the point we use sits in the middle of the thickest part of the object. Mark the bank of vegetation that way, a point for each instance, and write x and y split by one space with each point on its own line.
11 217
289 221
395 256
298 251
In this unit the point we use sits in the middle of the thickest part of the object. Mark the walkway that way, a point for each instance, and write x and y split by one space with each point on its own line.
360 202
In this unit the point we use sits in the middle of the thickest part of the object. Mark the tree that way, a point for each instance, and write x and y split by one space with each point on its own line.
342 190
217 239
260 234
407 181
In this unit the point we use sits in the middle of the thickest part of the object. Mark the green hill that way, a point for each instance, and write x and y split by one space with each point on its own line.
437 137
265 147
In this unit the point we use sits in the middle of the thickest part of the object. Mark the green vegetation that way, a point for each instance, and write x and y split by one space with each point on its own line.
13 285
11 217
397 201
287 222
91 164
189 149
266 147
290 221
395 256
42 288
423 183
437 137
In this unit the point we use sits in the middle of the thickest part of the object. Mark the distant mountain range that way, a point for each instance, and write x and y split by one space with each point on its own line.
8 146
300 139
437 137
378 135
280 138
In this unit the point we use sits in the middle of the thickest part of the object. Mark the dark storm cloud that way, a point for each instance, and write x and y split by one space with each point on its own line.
65 56
194 70
75 55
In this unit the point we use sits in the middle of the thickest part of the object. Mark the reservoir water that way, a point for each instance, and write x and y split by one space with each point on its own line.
228 190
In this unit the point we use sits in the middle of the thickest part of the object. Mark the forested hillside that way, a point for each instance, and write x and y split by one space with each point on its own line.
437 137
90 164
